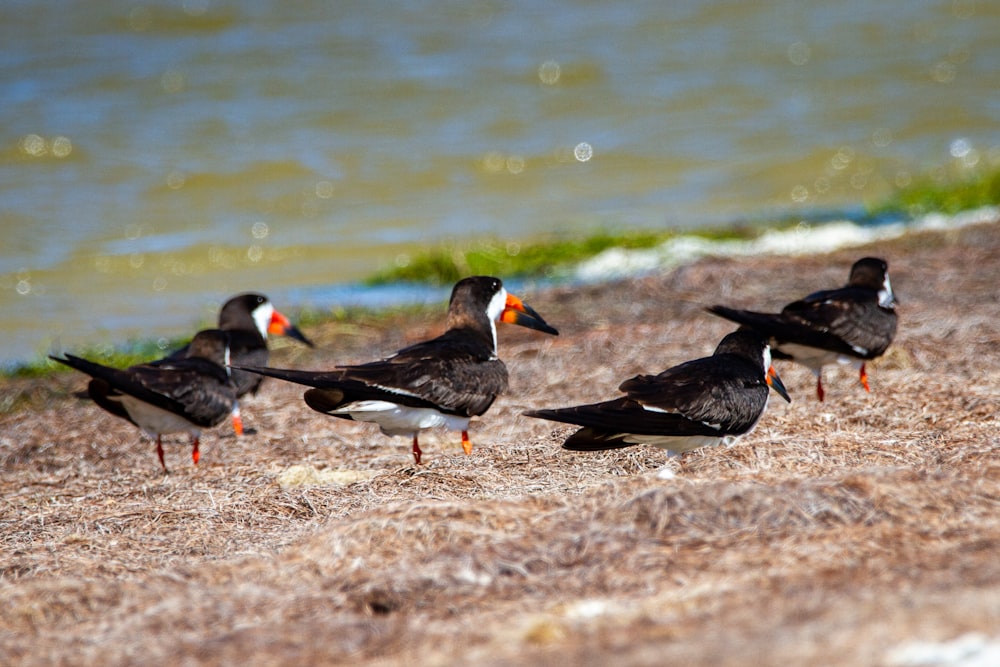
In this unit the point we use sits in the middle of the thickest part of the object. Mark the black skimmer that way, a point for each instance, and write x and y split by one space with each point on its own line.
181 395
704 402
850 324
249 318
440 382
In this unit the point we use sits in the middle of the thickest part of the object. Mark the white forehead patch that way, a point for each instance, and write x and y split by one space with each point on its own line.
262 317
767 358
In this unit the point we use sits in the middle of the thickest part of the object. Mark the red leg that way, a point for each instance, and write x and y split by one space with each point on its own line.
237 420
159 452
864 378
416 450
819 388
195 454
466 443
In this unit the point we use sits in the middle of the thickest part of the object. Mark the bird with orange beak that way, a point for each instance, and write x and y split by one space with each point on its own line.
445 381
248 319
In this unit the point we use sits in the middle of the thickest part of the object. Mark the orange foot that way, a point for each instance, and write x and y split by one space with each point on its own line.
237 422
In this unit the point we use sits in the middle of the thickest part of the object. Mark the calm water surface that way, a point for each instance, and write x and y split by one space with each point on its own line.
157 157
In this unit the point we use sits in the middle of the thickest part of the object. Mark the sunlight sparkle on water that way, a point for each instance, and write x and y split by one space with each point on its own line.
61 146
493 162
549 72
36 145
324 189
799 53
515 164
842 158
960 147
943 72
881 137
176 180
962 150
583 151
260 230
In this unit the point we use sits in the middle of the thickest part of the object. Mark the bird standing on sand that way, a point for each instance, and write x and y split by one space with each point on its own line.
704 402
440 382
182 395
851 324
249 318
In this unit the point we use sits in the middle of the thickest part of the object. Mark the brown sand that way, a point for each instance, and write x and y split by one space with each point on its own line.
832 534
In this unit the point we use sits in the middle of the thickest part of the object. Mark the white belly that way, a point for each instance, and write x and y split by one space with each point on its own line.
678 444
156 421
814 359
396 419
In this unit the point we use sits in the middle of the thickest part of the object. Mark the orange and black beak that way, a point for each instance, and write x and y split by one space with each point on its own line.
281 326
518 312
775 383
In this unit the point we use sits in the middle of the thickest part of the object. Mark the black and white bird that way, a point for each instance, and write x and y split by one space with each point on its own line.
182 395
850 325
703 402
440 382
249 318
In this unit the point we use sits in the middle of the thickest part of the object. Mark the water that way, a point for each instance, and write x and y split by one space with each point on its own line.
157 157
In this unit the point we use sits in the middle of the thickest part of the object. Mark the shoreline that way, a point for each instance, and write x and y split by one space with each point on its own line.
615 263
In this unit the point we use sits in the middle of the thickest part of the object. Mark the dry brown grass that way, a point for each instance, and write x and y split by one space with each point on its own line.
830 535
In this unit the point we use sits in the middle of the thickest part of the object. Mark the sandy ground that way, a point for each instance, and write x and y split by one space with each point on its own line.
836 533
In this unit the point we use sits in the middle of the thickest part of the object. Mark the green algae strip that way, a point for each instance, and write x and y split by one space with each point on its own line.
445 264
945 192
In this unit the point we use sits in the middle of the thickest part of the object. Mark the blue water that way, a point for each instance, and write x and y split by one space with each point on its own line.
157 157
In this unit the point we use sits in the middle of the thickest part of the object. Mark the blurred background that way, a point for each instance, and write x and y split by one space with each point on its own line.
158 156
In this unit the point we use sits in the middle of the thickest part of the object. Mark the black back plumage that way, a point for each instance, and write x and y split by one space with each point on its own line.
457 373
195 386
717 396
849 320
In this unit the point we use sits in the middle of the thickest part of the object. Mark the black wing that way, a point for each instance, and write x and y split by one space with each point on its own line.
452 373
724 391
851 316
624 415
246 348
194 388
803 326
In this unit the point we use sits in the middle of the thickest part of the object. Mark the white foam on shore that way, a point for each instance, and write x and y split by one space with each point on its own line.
803 239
